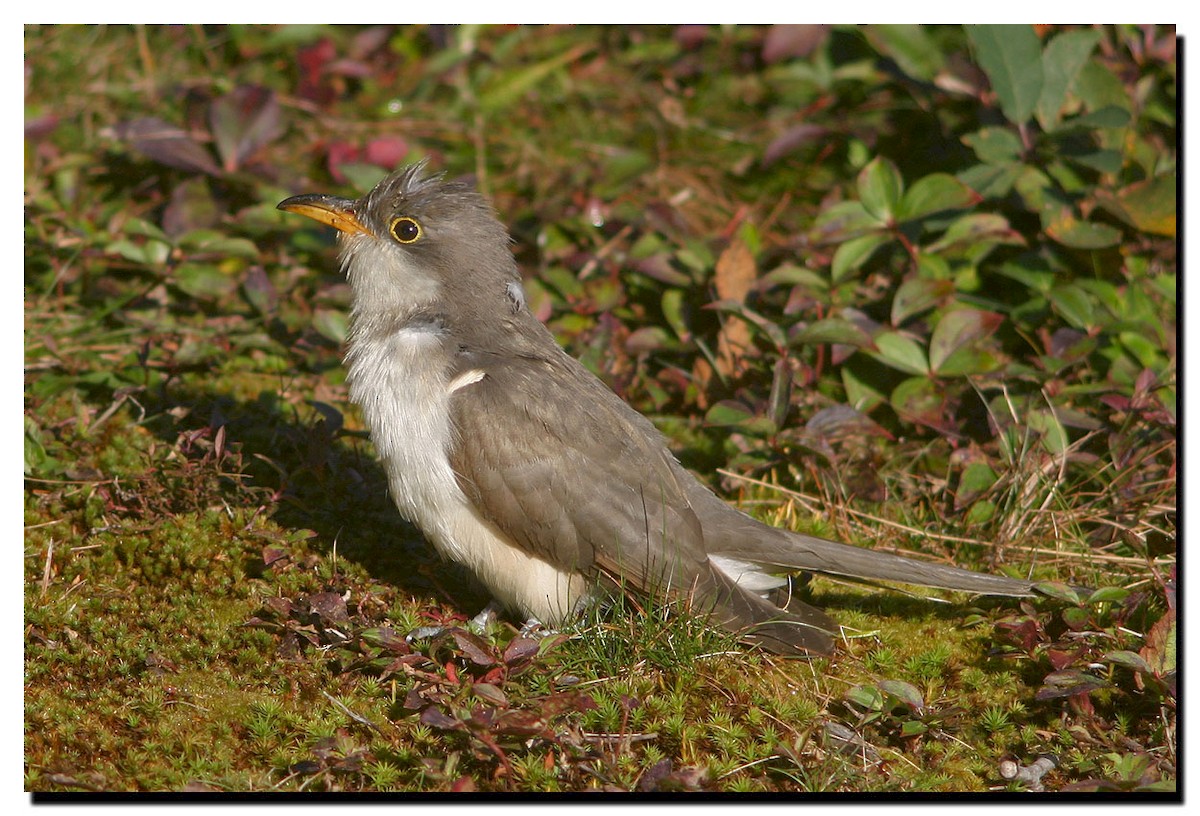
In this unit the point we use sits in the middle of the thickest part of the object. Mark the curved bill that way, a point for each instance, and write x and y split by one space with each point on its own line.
332 210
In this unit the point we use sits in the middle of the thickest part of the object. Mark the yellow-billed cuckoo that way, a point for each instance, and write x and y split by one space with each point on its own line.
515 460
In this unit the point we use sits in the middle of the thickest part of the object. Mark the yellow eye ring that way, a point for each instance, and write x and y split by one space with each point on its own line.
405 230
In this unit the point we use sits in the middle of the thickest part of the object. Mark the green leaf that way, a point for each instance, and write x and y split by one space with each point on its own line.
1065 172
1161 650
1054 435
1011 56
1057 589
789 274
362 176
505 92
880 188
867 697
331 324
906 693
981 512
917 295
1110 116
1114 594
934 193
729 413
974 229
1063 226
1035 187
901 353
976 478
933 267
918 399
1146 351
910 46
1098 87
1167 287
995 145
625 165
563 281
216 243
780 399
1062 60
851 255
831 330
672 309
843 220
992 180
697 256
1132 660
149 253
968 360
956 332
204 281
1106 161
1038 279
1149 206
35 453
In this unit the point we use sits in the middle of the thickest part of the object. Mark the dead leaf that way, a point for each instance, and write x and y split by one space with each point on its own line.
735 275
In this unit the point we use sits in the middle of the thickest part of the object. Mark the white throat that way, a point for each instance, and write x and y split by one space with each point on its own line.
384 277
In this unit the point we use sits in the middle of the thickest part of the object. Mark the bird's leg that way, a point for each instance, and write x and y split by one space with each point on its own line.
533 628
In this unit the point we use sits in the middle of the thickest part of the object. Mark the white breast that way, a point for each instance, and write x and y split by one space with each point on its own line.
403 389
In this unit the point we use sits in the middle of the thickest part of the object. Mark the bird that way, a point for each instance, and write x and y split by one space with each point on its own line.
516 461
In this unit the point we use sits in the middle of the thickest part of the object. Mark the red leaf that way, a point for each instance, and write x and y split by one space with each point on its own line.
243 122
330 606
167 144
791 40
337 154
520 650
489 693
791 139
386 152
436 718
312 61
474 648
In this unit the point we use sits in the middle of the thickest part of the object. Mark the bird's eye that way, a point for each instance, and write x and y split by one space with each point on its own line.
405 230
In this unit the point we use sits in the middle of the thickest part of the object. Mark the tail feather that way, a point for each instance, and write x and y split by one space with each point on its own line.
813 554
732 534
799 629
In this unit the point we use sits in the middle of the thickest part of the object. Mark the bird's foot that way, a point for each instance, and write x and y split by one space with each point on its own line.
533 628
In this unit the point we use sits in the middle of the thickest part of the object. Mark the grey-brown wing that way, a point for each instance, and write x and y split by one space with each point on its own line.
571 474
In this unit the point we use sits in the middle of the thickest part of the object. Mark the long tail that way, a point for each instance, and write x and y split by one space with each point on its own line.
733 534
804 552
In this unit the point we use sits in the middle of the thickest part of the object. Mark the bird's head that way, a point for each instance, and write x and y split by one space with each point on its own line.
418 242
